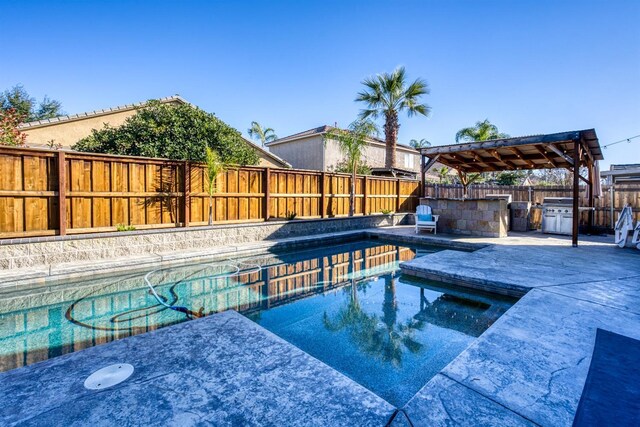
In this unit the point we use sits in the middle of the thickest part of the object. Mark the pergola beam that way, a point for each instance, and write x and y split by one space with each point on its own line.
501 159
544 154
561 154
519 155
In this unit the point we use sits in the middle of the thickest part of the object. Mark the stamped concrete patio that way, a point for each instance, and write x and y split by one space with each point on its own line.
529 368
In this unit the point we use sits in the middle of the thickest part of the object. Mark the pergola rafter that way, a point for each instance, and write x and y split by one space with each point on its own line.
565 150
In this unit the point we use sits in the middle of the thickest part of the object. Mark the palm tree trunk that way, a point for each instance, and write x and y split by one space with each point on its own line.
352 196
391 126
210 210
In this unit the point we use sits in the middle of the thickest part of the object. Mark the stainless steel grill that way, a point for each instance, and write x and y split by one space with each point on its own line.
557 215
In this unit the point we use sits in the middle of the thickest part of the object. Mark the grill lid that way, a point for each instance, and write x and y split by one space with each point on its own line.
563 201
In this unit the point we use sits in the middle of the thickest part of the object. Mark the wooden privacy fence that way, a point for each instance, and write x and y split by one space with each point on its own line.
48 192
607 207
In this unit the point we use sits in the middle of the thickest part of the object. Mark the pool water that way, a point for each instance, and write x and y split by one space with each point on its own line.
346 305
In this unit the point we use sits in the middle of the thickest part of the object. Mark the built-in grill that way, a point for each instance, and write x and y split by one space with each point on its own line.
557 215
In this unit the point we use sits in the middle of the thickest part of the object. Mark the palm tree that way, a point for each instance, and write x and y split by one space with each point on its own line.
482 131
352 142
261 134
443 174
388 95
213 168
419 144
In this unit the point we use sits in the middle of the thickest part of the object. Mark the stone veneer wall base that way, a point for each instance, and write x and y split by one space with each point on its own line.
47 252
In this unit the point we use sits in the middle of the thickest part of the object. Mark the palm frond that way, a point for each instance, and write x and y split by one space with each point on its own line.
367 113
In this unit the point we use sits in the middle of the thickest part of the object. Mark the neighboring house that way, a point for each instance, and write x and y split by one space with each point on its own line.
67 130
308 150
622 174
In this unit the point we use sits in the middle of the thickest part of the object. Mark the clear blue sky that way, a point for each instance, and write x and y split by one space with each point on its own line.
529 67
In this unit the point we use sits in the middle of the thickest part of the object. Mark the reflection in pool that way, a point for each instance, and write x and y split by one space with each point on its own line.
344 304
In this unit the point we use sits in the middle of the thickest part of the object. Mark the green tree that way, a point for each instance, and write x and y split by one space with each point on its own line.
482 131
27 107
510 177
214 167
419 144
352 142
9 132
261 134
170 131
388 95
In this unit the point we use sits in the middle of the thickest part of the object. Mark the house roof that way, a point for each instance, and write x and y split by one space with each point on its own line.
628 172
269 154
321 130
96 113
524 152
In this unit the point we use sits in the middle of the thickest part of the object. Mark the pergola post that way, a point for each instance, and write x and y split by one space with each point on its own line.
422 176
591 198
576 192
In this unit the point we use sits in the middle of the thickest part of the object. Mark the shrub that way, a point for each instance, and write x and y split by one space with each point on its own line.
9 132
179 132
124 227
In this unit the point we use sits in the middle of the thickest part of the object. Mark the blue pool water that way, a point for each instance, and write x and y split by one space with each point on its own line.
346 305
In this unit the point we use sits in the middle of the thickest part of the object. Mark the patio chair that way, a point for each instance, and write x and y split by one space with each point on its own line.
425 219
623 226
636 236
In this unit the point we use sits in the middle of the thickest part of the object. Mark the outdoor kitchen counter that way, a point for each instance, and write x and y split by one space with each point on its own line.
472 217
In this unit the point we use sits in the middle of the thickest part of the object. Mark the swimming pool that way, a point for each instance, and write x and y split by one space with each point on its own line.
344 304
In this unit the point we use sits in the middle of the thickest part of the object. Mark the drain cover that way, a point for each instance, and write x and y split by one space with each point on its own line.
108 376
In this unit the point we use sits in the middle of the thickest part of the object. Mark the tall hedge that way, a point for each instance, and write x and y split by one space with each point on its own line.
179 132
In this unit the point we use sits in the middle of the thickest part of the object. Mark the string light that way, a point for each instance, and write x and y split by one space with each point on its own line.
628 140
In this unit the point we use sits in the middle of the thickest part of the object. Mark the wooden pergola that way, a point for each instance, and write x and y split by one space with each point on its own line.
568 150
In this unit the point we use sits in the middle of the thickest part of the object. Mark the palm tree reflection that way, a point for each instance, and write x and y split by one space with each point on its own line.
381 337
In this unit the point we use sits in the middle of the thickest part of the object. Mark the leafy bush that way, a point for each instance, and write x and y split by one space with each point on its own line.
344 167
123 227
386 211
9 132
179 132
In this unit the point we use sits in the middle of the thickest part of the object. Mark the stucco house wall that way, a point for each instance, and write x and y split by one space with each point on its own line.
67 133
306 153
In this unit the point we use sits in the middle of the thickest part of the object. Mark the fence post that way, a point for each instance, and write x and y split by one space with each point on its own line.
186 177
267 193
612 190
365 194
62 194
398 195
323 195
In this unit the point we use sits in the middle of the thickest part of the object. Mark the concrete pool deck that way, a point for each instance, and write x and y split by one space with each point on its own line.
220 370
529 368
